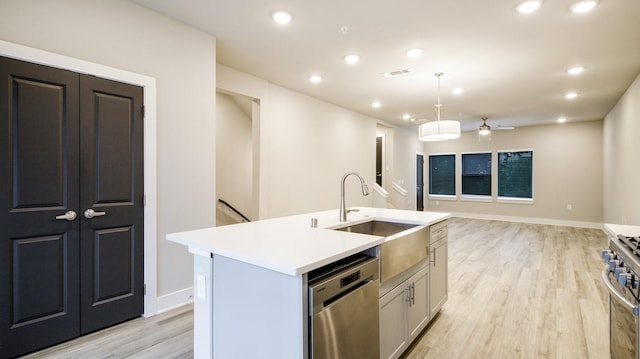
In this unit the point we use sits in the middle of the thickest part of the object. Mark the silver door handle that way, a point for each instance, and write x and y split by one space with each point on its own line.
69 216
90 213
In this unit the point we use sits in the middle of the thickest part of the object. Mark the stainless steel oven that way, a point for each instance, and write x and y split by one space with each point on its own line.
343 309
621 277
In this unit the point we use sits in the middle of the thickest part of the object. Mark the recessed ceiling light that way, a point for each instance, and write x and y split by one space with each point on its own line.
376 104
413 119
562 119
282 17
413 53
315 78
575 70
583 6
529 6
571 95
351 59
458 91
406 116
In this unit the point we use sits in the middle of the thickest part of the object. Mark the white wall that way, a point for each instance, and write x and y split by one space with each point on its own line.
311 144
622 159
405 147
182 59
401 147
567 169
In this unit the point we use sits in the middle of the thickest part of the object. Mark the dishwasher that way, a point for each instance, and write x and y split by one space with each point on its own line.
343 309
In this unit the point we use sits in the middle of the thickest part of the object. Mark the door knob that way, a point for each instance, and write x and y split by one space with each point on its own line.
69 216
90 213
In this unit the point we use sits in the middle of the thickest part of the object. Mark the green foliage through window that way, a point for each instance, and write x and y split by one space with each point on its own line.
515 174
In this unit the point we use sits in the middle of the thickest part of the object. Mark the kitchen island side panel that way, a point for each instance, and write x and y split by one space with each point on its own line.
257 312
202 305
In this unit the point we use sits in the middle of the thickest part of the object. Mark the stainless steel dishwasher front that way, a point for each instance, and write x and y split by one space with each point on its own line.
344 312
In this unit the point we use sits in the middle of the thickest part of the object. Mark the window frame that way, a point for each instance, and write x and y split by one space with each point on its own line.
514 200
446 197
477 197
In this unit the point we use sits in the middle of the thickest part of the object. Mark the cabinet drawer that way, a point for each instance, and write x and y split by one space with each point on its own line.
438 231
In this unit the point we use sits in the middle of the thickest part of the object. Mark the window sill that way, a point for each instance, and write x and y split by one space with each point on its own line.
442 197
476 198
513 200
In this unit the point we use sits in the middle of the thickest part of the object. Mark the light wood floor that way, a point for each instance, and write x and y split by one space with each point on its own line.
515 291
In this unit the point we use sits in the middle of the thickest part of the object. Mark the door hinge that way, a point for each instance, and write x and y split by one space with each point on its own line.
144 289
143 111
144 200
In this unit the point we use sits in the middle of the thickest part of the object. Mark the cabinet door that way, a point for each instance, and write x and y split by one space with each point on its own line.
418 303
438 283
393 330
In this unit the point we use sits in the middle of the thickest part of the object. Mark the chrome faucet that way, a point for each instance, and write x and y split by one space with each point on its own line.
365 192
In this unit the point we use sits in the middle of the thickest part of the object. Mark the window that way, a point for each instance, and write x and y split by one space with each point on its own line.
476 174
515 174
442 175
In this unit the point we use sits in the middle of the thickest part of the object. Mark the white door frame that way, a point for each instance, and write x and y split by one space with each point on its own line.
25 53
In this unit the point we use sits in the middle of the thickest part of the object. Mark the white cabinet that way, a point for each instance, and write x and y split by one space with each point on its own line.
438 267
404 312
418 306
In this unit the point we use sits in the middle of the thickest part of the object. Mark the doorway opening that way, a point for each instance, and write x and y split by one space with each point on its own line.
234 157
379 153
419 182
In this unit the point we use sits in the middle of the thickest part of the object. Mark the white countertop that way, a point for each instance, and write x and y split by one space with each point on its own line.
626 230
289 245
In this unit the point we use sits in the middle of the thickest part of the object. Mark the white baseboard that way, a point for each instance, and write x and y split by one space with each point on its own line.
173 300
548 221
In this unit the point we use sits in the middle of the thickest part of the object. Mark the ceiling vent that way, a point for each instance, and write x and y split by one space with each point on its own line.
395 73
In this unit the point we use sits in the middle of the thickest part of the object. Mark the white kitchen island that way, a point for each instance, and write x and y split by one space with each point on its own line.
250 286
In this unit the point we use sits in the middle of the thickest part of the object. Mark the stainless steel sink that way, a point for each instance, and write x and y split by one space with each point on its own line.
377 228
406 244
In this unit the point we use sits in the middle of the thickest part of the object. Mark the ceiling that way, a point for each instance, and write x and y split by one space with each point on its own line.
512 66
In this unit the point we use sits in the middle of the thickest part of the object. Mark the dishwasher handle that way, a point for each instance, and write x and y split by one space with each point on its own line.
616 295
327 291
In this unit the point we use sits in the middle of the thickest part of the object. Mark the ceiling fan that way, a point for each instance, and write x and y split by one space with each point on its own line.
485 129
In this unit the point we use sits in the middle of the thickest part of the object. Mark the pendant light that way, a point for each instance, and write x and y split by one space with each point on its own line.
439 130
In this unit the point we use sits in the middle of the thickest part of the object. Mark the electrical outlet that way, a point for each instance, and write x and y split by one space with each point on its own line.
201 286
569 207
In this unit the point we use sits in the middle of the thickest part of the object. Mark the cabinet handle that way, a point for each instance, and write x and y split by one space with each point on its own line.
434 256
413 293
408 291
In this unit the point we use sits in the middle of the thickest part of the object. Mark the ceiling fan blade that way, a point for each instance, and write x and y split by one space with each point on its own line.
498 128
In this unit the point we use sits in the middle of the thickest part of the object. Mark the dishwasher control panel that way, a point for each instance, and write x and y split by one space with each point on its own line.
345 281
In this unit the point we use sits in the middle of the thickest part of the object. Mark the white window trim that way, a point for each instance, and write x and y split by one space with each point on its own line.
515 200
442 197
476 198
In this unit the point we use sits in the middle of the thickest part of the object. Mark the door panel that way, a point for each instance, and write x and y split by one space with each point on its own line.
39 271
114 264
68 143
111 158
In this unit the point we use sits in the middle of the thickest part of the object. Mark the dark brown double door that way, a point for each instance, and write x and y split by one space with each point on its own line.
70 144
